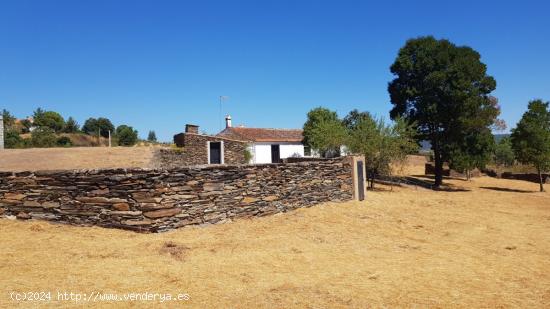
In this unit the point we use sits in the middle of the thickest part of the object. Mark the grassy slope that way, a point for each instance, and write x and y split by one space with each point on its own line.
74 158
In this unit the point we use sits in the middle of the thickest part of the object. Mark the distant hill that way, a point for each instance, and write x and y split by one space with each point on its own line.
498 137
426 146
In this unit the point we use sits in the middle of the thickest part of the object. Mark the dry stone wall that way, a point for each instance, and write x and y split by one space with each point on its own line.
160 199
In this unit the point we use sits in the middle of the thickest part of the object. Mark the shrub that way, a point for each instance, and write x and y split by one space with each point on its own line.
247 155
126 135
102 125
12 139
43 137
64 141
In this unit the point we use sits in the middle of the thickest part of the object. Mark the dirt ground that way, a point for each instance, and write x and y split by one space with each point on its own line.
486 244
34 159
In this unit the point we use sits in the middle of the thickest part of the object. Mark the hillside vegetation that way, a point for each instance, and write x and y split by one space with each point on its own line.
49 129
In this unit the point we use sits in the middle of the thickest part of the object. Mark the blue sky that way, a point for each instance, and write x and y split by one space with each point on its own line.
157 65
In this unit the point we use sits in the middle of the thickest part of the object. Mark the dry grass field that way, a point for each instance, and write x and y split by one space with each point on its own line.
74 158
484 244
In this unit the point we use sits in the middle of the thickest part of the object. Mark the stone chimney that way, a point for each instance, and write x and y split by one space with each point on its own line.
228 121
191 128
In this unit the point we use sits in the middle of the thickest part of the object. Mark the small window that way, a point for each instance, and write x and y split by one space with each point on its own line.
307 151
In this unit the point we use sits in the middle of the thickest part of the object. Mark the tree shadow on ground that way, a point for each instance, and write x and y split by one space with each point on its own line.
421 181
432 177
508 190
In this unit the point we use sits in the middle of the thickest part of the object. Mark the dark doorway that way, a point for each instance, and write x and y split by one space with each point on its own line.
360 180
275 154
215 152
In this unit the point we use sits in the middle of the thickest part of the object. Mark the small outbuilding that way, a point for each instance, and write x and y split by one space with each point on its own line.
268 145
231 145
200 149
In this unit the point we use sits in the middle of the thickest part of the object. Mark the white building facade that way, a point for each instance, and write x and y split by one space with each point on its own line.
263 152
268 145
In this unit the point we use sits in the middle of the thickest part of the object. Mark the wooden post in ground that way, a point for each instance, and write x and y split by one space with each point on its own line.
1 133
358 171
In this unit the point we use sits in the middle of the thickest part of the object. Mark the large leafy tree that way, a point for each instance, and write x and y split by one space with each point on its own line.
102 125
48 119
444 90
324 131
531 138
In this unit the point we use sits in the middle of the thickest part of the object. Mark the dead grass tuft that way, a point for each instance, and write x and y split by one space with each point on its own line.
36 228
174 250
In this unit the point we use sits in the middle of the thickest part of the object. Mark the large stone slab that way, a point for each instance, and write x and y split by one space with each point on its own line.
162 213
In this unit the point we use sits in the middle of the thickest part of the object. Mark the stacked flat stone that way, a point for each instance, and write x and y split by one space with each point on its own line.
154 200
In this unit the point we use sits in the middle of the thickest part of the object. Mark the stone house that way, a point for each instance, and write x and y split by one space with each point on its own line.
268 145
200 149
230 145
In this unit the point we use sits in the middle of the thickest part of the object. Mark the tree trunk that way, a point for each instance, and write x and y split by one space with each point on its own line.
540 180
438 167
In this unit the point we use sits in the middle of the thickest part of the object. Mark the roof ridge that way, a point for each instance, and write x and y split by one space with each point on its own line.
282 129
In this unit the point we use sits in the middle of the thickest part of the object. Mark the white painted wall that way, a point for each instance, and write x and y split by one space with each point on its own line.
261 152
288 150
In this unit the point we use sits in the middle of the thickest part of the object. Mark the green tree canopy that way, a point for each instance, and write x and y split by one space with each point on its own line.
8 119
126 135
12 139
48 119
444 90
71 126
152 136
473 150
102 125
531 138
382 144
504 153
323 131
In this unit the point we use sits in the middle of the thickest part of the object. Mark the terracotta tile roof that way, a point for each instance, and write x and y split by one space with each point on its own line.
263 135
